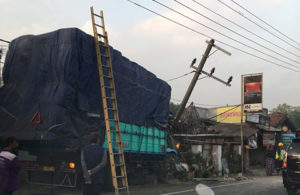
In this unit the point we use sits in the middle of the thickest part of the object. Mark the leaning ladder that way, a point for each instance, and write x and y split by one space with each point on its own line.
110 109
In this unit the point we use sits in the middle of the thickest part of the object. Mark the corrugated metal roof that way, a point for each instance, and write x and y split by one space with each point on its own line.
234 130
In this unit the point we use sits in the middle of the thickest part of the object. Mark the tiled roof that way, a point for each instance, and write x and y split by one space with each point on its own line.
276 119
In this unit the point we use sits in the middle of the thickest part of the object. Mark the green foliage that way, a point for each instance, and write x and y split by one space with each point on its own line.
196 159
293 113
173 108
283 108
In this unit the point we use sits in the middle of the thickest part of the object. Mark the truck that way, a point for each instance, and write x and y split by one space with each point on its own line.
51 102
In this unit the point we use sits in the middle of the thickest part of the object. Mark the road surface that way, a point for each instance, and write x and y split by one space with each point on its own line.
258 185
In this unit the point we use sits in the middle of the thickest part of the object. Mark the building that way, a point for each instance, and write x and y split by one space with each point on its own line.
216 134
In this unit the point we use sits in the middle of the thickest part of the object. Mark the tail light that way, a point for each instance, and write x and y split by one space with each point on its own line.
71 165
284 164
178 146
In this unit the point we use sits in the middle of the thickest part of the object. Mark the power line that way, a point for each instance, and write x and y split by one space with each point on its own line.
4 41
191 29
211 105
227 35
202 78
265 22
180 76
226 117
224 112
245 28
241 14
234 31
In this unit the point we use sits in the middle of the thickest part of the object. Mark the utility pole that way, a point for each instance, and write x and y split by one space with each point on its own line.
242 115
198 71
194 80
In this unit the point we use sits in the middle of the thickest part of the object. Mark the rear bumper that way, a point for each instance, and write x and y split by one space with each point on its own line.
290 180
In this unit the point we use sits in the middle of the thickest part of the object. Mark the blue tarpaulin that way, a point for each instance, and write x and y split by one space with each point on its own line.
51 89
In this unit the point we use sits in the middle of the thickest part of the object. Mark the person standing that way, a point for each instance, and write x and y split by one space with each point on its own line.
270 154
9 167
93 161
279 156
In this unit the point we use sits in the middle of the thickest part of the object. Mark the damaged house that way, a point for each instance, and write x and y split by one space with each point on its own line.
215 133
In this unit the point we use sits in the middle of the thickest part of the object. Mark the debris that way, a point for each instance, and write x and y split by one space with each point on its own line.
207 179
240 177
227 179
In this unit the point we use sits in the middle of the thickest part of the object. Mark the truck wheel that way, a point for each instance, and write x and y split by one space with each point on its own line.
291 190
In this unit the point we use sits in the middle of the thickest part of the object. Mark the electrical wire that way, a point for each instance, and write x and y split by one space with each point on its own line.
198 32
210 105
213 52
4 41
226 35
234 32
265 22
232 22
180 76
202 78
241 14
224 112
226 117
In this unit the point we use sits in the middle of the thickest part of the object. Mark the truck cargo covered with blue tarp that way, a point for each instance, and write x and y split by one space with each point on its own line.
51 90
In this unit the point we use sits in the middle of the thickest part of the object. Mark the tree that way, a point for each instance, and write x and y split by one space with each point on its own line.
283 108
173 108
293 112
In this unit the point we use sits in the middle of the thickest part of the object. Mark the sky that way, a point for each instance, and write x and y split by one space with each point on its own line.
167 49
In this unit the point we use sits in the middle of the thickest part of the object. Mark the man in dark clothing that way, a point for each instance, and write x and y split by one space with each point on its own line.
9 167
270 155
93 161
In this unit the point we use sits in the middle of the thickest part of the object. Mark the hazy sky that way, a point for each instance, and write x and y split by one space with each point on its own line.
167 49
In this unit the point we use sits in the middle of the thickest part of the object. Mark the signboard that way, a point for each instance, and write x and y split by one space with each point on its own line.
229 114
286 138
260 119
252 92
268 139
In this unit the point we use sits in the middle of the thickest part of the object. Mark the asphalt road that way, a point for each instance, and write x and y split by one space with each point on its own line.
259 185
256 186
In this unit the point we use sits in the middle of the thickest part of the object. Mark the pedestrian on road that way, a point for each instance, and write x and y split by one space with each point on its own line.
270 154
9 167
279 156
93 161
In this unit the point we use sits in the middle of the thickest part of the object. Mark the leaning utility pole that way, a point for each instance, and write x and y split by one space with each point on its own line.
198 72
194 80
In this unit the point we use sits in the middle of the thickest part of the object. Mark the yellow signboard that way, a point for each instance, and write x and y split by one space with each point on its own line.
229 114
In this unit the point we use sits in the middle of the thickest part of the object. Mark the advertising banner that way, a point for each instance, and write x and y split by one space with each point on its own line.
252 92
229 114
